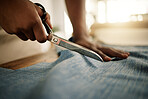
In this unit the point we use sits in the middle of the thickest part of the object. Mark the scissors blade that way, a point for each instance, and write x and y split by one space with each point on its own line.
74 47
64 43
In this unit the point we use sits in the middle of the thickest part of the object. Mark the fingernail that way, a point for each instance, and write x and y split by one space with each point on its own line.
125 55
128 53
107 58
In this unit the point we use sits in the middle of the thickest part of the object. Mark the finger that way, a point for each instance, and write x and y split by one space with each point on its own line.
39 10
39 32
123 52
104 57
22 36
114 53
47 18
30 34
119 54
49 37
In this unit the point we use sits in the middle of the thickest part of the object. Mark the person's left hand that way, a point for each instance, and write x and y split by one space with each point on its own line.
105 52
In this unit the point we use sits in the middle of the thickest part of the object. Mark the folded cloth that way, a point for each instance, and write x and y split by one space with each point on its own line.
74 76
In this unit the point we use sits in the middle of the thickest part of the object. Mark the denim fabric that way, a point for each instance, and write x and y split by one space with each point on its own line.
74 76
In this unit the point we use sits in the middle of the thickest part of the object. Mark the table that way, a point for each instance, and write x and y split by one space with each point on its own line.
49 56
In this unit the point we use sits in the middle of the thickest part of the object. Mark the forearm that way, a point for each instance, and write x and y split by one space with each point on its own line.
76 11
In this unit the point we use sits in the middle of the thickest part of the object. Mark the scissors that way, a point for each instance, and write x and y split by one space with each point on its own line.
65 43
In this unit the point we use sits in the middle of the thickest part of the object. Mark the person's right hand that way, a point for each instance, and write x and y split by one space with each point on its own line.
22 18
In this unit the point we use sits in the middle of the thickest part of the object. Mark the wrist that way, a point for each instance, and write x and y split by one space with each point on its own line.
80 35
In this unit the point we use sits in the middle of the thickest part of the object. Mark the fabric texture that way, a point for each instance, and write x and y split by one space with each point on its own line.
74 76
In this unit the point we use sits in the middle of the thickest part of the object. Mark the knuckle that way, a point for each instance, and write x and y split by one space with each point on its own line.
30 25
24 39
41 40
35 20
32 39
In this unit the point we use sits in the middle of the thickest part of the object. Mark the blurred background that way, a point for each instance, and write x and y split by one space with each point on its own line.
113 22
119 22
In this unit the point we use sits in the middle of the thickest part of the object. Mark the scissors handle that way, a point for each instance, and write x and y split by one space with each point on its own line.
43 18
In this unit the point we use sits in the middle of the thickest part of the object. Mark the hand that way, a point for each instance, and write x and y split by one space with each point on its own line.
80 33
105 52
22 18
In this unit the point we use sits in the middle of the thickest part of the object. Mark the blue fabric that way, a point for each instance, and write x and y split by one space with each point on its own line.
74 76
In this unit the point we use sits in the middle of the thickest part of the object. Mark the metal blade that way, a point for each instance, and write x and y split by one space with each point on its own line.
75 47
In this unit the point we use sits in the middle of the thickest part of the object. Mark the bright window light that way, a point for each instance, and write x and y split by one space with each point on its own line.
112 11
